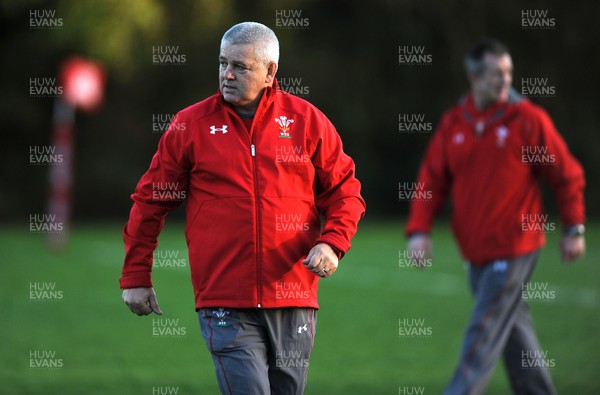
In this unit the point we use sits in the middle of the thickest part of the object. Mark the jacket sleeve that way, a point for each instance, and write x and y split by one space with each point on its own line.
161 189
434 176
564 173
337 191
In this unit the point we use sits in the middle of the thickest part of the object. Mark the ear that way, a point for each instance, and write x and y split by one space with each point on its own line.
271 70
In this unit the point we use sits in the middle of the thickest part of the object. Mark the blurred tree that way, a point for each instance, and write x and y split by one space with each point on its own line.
347 56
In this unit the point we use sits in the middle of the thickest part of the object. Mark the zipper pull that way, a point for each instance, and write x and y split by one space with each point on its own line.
252 150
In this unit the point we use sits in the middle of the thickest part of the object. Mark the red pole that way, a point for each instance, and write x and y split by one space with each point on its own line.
83 82
61 174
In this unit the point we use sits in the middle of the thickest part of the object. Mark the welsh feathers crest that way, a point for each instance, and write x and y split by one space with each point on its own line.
284 126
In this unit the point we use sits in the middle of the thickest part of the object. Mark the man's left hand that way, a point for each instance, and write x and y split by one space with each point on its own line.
321 260
572 248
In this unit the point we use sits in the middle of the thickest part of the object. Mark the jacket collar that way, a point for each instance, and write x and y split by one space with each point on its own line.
492 112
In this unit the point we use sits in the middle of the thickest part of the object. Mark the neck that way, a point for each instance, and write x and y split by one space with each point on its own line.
480 102
249 108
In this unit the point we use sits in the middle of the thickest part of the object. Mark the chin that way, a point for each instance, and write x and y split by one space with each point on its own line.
232 99
501 97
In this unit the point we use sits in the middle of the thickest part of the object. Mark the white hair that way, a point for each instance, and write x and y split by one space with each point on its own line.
264 39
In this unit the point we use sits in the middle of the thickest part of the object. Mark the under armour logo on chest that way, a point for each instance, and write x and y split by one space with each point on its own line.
214 129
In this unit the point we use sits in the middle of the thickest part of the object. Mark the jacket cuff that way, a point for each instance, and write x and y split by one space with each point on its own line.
136 280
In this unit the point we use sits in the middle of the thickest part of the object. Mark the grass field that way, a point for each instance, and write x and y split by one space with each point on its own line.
102 348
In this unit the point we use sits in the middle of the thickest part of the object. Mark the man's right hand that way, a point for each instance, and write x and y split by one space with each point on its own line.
141 301
420 248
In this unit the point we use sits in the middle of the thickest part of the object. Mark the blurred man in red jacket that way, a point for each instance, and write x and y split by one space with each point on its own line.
257 169
487 154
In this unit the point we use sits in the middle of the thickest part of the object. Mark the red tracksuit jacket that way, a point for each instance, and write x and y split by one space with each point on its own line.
254 201
492 178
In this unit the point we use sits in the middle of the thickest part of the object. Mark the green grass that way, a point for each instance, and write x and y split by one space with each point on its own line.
107 350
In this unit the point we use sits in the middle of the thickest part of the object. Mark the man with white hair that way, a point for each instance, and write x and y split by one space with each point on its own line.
257 168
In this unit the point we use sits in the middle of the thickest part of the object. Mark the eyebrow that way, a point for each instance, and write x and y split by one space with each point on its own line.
235 62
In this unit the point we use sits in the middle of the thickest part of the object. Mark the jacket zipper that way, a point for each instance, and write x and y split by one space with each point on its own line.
257 202
257 214
256 208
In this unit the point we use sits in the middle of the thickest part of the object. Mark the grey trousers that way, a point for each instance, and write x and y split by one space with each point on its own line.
501 325
259 351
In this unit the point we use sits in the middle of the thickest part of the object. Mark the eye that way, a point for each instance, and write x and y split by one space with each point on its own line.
222 64
240 68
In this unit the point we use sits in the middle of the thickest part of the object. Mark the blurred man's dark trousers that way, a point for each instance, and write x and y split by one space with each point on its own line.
501 325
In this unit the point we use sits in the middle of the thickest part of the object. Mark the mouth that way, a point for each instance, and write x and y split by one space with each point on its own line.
228 87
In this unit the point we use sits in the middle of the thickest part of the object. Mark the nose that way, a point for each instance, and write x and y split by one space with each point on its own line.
228 73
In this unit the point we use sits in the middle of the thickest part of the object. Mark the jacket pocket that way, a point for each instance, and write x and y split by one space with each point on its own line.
222 247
